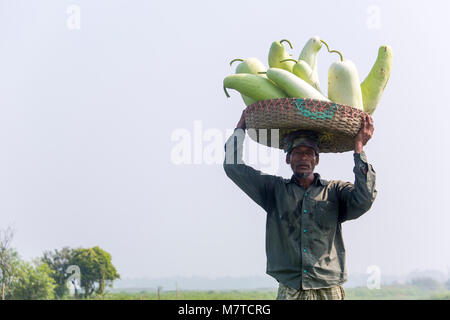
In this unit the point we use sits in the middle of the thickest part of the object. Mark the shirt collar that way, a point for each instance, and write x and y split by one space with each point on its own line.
317 180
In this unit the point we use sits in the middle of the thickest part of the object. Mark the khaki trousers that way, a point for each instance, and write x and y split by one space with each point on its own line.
288 293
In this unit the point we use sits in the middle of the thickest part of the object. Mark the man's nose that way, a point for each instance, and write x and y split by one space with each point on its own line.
303 156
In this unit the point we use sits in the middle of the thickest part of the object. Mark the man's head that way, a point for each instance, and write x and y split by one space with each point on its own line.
302 153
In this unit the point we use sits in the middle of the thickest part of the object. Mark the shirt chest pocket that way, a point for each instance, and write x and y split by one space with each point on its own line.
325 213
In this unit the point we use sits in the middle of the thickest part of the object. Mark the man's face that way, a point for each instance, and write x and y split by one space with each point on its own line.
303 160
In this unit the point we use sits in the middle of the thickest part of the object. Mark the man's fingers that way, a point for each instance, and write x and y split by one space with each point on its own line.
371 124
363 121
368 122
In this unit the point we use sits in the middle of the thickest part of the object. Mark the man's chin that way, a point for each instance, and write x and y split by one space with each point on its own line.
302 175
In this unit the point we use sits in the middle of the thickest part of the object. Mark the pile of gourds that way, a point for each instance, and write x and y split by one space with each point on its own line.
289 78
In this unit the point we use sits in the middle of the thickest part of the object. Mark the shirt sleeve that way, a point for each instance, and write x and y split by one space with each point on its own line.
256 184
356 199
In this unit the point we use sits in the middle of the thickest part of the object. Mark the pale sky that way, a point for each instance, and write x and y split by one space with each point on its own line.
89 119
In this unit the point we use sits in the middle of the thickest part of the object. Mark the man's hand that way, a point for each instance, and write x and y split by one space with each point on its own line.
364 134
241 123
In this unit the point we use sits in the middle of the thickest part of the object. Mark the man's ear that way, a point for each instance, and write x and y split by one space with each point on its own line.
317 159
288 158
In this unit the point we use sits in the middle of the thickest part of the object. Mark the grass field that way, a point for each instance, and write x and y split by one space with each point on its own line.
385 293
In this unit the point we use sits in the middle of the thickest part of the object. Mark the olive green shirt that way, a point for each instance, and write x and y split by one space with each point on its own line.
304 244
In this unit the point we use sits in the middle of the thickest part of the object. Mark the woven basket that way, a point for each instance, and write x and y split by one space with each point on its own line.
336 125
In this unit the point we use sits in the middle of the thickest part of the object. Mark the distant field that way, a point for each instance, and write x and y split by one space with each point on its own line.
385 293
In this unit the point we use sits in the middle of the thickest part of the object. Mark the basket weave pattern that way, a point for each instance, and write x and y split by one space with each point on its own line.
336 124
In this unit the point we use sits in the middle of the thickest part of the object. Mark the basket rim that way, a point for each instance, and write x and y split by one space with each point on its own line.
315 119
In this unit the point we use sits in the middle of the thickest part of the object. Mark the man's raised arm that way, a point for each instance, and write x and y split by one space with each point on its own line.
356 199
256 184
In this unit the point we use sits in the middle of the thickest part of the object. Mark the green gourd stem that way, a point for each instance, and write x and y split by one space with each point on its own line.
226 92
236 60
285 40
328 48
261 72
340 54
289 60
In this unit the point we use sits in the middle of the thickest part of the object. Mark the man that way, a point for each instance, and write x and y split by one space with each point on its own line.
304 245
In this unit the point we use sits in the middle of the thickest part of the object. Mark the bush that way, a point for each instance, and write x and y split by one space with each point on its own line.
426 284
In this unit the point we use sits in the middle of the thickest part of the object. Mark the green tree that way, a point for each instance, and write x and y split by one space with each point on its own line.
59 261
9 263
33 281
97 270
9 260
